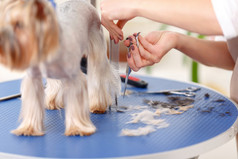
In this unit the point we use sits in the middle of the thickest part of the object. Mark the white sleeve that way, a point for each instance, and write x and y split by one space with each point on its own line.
227 14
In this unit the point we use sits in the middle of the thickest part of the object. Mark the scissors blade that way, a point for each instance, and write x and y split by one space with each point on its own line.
128 71
189 92
137 41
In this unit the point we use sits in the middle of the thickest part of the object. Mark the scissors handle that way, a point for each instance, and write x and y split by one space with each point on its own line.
10 97
128 69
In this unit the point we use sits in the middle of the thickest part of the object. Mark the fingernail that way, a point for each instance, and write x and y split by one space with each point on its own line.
129 55
132 47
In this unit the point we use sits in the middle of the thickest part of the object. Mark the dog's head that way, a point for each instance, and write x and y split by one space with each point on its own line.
28 32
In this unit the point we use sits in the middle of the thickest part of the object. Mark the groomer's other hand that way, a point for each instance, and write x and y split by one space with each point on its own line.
151 49
134 59
121 10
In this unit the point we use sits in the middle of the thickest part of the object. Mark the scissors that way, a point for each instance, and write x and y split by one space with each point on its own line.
188 92
128 69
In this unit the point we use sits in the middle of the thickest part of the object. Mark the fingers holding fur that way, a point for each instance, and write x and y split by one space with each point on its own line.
116 33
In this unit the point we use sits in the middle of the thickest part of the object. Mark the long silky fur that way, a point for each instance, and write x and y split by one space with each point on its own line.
77 120
32 110
100 89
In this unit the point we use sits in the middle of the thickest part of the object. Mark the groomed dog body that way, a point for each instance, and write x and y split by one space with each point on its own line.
50 43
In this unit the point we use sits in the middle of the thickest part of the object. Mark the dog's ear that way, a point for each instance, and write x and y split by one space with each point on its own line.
45 16
40 9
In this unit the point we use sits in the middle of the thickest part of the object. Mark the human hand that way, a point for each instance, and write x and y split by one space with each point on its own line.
151 49
120 10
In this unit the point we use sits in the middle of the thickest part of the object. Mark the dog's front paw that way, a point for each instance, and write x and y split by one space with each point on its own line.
75 131
27 131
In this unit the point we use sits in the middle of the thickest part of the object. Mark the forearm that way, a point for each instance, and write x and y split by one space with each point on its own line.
210 53
193 15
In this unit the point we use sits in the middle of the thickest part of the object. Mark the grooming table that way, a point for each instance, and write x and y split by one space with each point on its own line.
188 135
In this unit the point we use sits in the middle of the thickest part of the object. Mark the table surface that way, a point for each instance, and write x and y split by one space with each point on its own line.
188 135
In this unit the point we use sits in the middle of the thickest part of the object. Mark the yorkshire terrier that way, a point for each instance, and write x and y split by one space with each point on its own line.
49 43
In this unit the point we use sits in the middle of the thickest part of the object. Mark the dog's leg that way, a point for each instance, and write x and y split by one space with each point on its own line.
32 110
54 94
77 117
103 81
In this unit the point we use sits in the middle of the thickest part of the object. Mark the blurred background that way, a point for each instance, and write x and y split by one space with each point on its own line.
174 65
